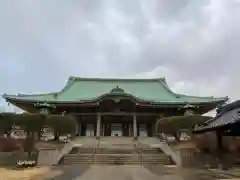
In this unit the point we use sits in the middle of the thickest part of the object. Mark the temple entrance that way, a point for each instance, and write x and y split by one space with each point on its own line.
143 130
116 129
116 125
89 130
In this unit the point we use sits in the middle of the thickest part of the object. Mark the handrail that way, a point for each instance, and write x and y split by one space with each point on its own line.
141 156
139 150
94 150
93 155
169 151
65 150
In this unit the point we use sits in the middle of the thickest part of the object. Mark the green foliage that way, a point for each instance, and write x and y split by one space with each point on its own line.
6 122
30 122
62 124
173 125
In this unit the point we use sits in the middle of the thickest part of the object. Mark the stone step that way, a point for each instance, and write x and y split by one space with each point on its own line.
77 159
160 157
118 163
78 156
76 162
115 151
117 159
114 159
150 150
81 150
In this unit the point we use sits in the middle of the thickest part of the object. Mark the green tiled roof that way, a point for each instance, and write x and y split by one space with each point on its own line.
85 89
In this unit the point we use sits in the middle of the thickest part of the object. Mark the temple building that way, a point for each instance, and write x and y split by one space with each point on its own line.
115 107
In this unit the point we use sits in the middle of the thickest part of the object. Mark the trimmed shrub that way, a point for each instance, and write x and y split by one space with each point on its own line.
175 124
62 125
6 123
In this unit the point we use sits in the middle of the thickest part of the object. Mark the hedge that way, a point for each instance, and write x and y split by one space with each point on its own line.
173 125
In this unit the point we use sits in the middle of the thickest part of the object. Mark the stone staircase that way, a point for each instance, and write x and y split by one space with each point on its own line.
82 150
151 155
114 159
150 143
77 159
114 150
154 159
149 150
117 159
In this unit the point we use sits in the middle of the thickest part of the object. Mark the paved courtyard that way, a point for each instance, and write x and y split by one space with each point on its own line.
110 172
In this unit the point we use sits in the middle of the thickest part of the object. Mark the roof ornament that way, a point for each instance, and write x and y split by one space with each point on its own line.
55 95
44 104
187 106
44 111
117 89
189 112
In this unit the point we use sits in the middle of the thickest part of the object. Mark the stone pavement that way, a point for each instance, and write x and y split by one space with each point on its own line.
115 172
110 172
133 172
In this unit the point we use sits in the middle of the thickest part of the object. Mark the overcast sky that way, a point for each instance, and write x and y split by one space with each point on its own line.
195 44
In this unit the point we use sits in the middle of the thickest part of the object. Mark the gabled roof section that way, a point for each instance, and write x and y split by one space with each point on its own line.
89 89
227 118
228 107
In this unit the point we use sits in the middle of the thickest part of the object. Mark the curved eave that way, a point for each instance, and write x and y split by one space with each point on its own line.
14 98
53 97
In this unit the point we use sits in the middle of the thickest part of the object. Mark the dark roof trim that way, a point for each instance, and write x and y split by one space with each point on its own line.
114 95
228 107
230 117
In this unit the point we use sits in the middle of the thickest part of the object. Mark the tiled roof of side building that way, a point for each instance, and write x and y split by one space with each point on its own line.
229 107
151 90
227 118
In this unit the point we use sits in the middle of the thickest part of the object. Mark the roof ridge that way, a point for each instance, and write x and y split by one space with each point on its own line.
73 78
204 97
22 94
162 80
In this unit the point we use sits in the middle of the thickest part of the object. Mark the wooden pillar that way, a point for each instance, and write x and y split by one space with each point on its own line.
157 122
134 126
98 126
129 129
83 130
77 128
219 135
103 129
153 130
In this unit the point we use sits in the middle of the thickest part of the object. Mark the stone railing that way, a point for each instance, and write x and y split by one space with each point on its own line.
175 155
53 156
157 143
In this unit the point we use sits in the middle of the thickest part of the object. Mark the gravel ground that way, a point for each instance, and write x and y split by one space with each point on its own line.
111 172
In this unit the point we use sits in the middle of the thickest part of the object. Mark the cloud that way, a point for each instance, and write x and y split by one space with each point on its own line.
194 44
